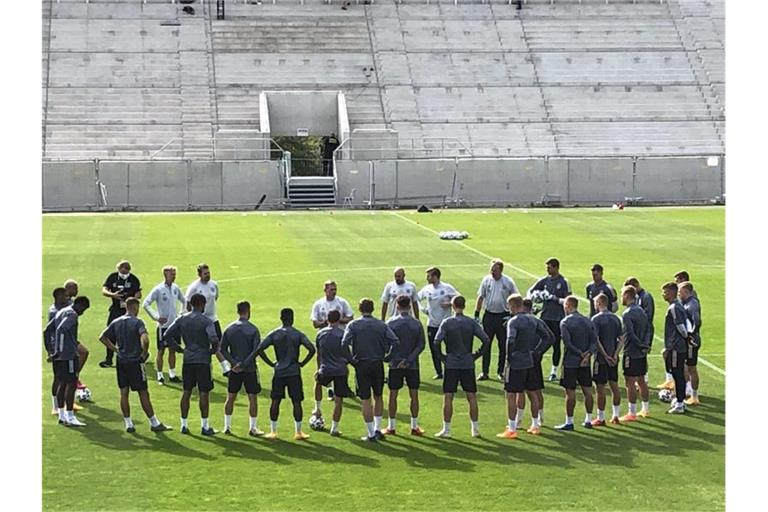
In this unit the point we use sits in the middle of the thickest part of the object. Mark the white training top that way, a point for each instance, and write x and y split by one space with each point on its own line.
321 307
392 290
436 297
495 293
165 297
210 291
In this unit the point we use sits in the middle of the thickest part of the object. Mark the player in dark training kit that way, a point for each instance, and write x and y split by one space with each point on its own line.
119 286
332 361
676 339
60 301
693 313
606 366
404 363
458 332
127 337
598 286
63 353
556 288
286 340
634 361
580 343
239 345
200 342
370 341
525 335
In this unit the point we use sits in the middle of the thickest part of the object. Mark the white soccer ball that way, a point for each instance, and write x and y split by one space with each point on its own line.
665 395
464 235
83 395
316 422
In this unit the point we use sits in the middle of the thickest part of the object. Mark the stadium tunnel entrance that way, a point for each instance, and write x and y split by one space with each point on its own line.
308 125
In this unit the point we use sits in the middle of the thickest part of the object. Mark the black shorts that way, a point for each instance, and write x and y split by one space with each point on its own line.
517 381
538 375
602 373
572 376
369 376
131 374
409 375
452 377
65 371
634 367
692 357
339 382
161 342
197 375
294 385
248 379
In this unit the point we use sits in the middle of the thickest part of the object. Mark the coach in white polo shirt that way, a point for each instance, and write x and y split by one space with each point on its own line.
209 289
165 294
330 302
494 290
438 296
395 288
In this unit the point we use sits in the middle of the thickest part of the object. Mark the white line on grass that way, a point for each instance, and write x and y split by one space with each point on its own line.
525 272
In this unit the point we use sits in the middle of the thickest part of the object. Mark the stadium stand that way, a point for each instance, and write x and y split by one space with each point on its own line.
135 79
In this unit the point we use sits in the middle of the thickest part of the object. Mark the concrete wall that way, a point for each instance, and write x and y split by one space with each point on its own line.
316 111
679 179
68 183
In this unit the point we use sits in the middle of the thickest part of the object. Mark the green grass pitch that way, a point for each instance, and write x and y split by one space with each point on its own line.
280 260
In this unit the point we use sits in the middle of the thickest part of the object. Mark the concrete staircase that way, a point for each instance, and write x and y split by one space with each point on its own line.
311 192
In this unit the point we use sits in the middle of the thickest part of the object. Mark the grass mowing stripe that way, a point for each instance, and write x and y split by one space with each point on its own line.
529 274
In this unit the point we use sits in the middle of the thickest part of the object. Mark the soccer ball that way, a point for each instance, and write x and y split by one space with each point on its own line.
316 422
665 395
83 395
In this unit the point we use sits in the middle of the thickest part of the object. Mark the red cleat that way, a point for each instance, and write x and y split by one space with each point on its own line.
629 417
598 423
388 431
615 421
80 384
417 432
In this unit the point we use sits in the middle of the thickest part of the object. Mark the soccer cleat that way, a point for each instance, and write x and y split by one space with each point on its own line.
565 427
598 423
692 401
160 428
676 410
105 364
160 381
74 422
379 436
615 421
534 430
271 435
368 439
444 434
184 430
228 432
300 436
507 434
255 432
62 422
552 377
669 384
388 432
80 385
55 412
629 417
588 424
335 433
208 431
130 429
417 432
482 376
644 414
76 408
174 379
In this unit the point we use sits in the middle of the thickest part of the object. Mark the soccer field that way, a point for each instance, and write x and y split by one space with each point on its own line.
278 260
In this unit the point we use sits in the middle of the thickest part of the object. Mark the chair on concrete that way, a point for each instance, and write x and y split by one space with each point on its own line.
350 199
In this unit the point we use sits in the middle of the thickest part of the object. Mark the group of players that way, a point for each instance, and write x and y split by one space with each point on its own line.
595 346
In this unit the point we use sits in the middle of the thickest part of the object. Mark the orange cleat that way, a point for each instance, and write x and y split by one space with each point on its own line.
271 435
598 423
76 407
388 431
507 434
644 414
669 384
300 436
692 401
629 417
534 431
417 431
615 421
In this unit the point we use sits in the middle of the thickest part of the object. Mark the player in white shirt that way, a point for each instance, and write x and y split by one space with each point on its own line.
395 288
330 302
165 295
209 289
438 296
494 290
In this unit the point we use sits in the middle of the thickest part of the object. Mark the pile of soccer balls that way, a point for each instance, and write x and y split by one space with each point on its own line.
316 422
453 235
83 395
539 296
